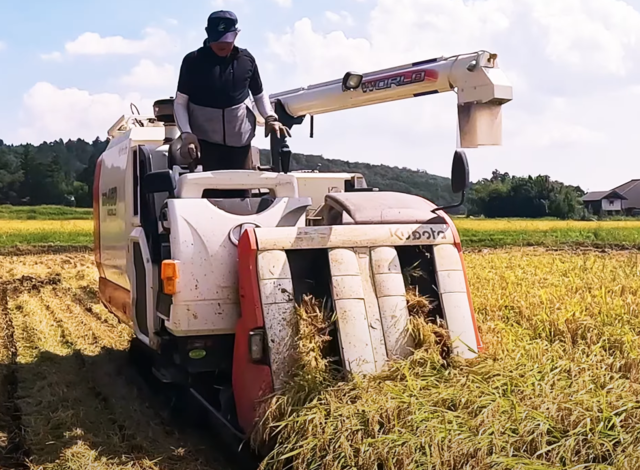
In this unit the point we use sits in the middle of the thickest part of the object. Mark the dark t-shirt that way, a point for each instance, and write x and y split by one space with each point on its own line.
219 82
218 88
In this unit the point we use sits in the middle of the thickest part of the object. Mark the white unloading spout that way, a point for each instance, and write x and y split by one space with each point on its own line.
481 86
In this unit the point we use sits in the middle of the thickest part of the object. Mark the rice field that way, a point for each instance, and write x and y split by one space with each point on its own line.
67 232
556 387
15 233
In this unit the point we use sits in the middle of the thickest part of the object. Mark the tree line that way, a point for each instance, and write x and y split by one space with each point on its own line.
504 195
61 173
53 173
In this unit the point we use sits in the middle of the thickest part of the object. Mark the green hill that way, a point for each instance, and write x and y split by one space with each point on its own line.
52 171
384 177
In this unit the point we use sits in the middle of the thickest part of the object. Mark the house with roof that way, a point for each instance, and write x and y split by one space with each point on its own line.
622 200
604 202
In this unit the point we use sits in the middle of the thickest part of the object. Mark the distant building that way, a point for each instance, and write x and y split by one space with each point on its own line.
631 191
605 202
624 199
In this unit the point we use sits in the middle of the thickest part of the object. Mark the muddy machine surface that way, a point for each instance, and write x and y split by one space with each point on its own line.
209 285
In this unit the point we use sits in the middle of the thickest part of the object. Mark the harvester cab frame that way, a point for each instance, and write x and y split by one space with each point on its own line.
210 285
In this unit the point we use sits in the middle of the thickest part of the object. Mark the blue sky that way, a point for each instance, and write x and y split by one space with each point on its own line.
31 28
69 69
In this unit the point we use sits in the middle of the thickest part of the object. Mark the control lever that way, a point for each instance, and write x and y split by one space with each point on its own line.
193 164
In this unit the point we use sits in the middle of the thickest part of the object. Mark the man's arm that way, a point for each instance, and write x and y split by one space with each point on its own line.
272 126
181 103
260 96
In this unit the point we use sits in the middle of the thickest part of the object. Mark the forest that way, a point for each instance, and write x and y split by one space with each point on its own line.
61 173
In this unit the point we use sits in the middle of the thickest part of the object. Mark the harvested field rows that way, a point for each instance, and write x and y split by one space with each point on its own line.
69 397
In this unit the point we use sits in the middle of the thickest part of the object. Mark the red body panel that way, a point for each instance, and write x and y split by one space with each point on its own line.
251 382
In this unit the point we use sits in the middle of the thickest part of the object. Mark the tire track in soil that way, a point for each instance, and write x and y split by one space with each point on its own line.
92 380
131 418
101 374
128 410
16 450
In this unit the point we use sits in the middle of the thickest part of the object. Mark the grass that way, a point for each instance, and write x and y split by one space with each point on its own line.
556 387
8 212
475 233
498 233
54 225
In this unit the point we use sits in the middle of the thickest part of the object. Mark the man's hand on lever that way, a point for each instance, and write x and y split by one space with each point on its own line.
272 125
190 149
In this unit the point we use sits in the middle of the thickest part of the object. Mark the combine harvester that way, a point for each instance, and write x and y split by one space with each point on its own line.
210 285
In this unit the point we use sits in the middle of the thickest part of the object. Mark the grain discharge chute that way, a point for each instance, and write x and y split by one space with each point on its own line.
209 286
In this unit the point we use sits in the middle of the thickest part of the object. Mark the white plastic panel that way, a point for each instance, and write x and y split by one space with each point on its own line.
350 305
460 324
356 236
391 292
455 300
206 301
376 331
450 282
278 308
191 185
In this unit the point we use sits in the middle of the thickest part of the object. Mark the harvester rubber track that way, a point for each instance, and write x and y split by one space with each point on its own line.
191 415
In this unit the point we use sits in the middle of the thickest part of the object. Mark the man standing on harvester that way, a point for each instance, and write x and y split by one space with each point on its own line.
212 109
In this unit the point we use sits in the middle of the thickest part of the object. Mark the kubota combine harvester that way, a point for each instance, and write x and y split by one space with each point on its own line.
210 285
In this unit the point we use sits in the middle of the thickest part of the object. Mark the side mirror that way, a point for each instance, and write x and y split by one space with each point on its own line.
459 178
459 172
160 181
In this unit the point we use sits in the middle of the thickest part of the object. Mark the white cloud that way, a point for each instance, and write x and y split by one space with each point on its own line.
51 113
572 64
318 57
154 41
284 3
343 17
147 74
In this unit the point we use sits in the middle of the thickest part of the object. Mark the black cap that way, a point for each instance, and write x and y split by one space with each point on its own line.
222 25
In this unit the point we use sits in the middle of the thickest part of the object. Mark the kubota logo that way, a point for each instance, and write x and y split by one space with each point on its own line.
422 233
400 79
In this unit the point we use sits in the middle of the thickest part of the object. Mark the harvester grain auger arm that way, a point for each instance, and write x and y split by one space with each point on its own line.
481 86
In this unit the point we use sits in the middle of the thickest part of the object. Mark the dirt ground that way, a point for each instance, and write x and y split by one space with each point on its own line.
69 397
